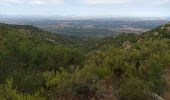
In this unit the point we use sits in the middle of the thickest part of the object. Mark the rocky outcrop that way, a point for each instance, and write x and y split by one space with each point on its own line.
156 97
25 33
156 34
51 40
140 41
168 29
127 45
162 28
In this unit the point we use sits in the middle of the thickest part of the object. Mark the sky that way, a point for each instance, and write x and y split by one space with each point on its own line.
129 8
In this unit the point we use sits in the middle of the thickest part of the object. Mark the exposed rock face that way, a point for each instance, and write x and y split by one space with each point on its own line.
162 28
156 97
127 45
140 41
156 34
26 33
168 29
51 40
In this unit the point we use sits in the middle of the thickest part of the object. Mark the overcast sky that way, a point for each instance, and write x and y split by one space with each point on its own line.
131 8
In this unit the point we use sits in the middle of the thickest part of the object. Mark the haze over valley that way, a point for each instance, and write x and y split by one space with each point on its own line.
85 28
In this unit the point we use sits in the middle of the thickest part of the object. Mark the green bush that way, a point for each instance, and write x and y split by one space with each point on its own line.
133 89
8 93
154 74
103 72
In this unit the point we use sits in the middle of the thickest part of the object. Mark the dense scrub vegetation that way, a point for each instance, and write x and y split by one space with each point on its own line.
125 67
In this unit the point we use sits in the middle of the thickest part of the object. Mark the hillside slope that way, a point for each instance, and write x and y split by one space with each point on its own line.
162 31
27 52
35 65
30 32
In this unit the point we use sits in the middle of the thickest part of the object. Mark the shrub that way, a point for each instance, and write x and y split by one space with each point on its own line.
8 93
103 72
133 89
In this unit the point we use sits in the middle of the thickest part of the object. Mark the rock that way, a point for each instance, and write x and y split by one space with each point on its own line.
140 41
156 34
162 27
127 45
156 97
168 29
51 40
26 33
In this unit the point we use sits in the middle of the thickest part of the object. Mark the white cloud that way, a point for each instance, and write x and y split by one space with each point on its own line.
107 1
11 1
33 1
46 1
160 2
135 2
89 2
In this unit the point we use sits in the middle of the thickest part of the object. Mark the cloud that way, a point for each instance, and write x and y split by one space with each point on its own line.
125 2
89 2
160 2
46 1
32 1
11 1
93 2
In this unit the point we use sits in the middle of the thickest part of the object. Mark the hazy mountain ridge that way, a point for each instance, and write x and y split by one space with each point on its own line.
29 31
92 28
162 31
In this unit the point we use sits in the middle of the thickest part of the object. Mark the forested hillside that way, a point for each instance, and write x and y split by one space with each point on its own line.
37 65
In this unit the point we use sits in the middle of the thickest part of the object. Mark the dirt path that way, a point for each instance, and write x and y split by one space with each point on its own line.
166 76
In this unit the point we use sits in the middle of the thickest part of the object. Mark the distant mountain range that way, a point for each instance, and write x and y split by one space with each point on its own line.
109 17
83 28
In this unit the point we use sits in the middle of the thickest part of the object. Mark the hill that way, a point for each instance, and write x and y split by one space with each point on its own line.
105 43
37 65
25 53
159 32
31 32
83 29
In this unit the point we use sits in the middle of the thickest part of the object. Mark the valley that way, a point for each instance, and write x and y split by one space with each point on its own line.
84 50
90 28
39 65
